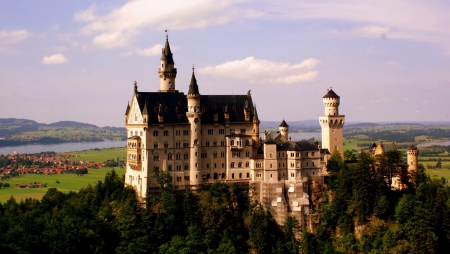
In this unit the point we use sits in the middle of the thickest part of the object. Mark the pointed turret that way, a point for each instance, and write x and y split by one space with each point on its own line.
128 108
284 124
144 111
284 130
167 71
167 53
193 87
255 113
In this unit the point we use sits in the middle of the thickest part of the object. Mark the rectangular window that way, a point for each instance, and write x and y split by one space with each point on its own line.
210 131
166 133
177 132
185 132
232 131
247 154
222 143
207 143
243 131
221 131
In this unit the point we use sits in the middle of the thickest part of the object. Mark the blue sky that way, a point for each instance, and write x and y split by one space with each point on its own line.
77 60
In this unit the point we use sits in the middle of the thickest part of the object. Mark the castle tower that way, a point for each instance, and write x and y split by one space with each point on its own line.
255 131
284 130
167 71
413 159
332 123
194 115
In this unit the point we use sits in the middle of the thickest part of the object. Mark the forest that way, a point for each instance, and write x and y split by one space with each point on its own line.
359 213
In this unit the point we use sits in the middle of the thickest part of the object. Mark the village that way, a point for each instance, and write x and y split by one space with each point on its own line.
46 163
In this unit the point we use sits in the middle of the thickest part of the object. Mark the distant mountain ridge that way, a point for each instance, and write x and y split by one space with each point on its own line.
11 126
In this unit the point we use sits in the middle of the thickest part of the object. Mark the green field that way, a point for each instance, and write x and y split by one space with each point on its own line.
101 155
68 182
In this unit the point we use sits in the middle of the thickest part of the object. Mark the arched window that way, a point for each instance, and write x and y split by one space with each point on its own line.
166 144
240 165
247 142
232 165
178 156
169 156
232 143
156 157
155 145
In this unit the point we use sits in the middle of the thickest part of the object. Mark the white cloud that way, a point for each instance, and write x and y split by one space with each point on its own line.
54 59
119 26
86 15
263 71
402 19
154 50
13 36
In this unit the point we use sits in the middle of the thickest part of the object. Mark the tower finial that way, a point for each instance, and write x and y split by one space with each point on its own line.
167 34
193 68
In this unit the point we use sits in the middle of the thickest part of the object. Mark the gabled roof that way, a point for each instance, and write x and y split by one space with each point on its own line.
173 107
331 94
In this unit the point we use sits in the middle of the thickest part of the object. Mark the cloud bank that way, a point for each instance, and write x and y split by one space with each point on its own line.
403 19
262 71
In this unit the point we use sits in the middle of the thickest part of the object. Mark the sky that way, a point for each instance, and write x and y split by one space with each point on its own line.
389 61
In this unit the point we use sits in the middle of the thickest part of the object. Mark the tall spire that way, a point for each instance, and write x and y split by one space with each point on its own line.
193 87
167 52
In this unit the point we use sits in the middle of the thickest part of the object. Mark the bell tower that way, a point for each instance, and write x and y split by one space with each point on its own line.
167 71
332 123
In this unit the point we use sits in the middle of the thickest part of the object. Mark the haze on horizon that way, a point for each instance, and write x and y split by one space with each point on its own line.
78 60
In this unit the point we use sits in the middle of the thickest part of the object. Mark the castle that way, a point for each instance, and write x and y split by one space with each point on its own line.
202 139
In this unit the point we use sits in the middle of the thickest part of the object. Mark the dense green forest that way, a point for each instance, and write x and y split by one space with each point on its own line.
359 213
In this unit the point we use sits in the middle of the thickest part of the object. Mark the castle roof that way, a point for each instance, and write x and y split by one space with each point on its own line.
284 124
173 106
331 94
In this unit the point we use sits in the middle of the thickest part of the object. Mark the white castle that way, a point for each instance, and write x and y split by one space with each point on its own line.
202 139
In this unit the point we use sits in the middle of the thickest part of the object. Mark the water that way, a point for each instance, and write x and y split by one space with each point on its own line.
62 147
444 143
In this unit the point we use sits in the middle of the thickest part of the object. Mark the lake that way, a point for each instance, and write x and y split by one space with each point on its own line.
443 143
62 147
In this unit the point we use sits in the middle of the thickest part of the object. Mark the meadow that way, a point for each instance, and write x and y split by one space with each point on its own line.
101 155
67 182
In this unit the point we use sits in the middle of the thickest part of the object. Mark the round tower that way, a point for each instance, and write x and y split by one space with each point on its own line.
194 116
413 159
167 71
332 123
331 103
284 130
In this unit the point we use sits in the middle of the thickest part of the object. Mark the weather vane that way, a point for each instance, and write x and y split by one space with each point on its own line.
166 30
